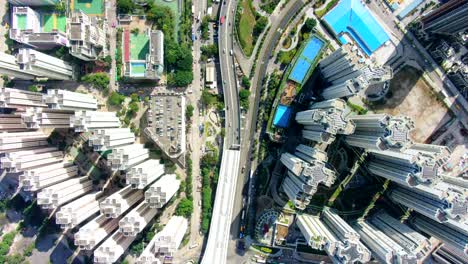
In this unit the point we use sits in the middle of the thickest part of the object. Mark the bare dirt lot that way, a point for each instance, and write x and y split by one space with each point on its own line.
411 96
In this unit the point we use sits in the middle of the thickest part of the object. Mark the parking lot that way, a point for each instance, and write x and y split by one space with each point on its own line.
167 122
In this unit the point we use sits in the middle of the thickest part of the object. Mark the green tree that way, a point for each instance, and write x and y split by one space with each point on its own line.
260 25
181 78
60 7
116 99
209 51
189 111
246 82
184 208
204 27
33 88
208 98
163 18
125 6
309 25
133 108
99 80
244 98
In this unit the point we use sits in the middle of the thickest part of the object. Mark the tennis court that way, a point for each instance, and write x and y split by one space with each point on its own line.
139 46
53 21
306 59
89 7
353 18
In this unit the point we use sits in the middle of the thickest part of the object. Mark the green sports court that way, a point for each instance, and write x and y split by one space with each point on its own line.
89 7
139 46
53 21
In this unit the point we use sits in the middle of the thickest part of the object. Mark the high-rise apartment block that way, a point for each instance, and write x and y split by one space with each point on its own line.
165 243
87 38
106 139
324 120
125 157
347 74
43 65
143 174
161 192
119 202
380 131
450 18
136 220
36 30
332 234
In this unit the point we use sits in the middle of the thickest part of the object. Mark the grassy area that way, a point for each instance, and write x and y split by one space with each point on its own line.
245 27
174 6
321 12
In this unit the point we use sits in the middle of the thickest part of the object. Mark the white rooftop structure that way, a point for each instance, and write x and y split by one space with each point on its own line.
34 2
380 132
105 139
125 157
67 100
415 244
85 121
112 248
43 65
36 118
11 142
166 242
451 233
28 159
383 248
58 194
11 122
160 192
28 27
93 232
119 202
439 205
332 234
10 68
136 220
44 176
74 213
143 174
10 97
87 38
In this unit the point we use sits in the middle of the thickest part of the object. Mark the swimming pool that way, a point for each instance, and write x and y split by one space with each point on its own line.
137 69
282 115
352 17
306 59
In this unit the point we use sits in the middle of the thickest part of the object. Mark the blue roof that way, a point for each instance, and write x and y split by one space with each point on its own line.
409 8
282 115
306 59
352 17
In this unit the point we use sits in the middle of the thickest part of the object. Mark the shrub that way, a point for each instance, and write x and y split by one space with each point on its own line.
99 80
184 208
116 99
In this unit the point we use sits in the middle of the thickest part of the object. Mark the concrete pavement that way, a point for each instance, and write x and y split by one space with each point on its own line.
111 17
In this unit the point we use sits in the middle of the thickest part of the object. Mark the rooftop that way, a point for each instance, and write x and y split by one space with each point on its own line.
353 18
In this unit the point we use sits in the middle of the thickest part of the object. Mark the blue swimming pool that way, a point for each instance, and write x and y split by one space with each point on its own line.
137 69
352 17
282 115
306 59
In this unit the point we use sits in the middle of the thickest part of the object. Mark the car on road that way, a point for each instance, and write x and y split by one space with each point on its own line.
231 52
224 51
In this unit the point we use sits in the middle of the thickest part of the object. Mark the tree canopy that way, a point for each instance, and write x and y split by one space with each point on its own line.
184 208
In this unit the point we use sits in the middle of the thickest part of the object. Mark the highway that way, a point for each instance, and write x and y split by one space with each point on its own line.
229 83
218 238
